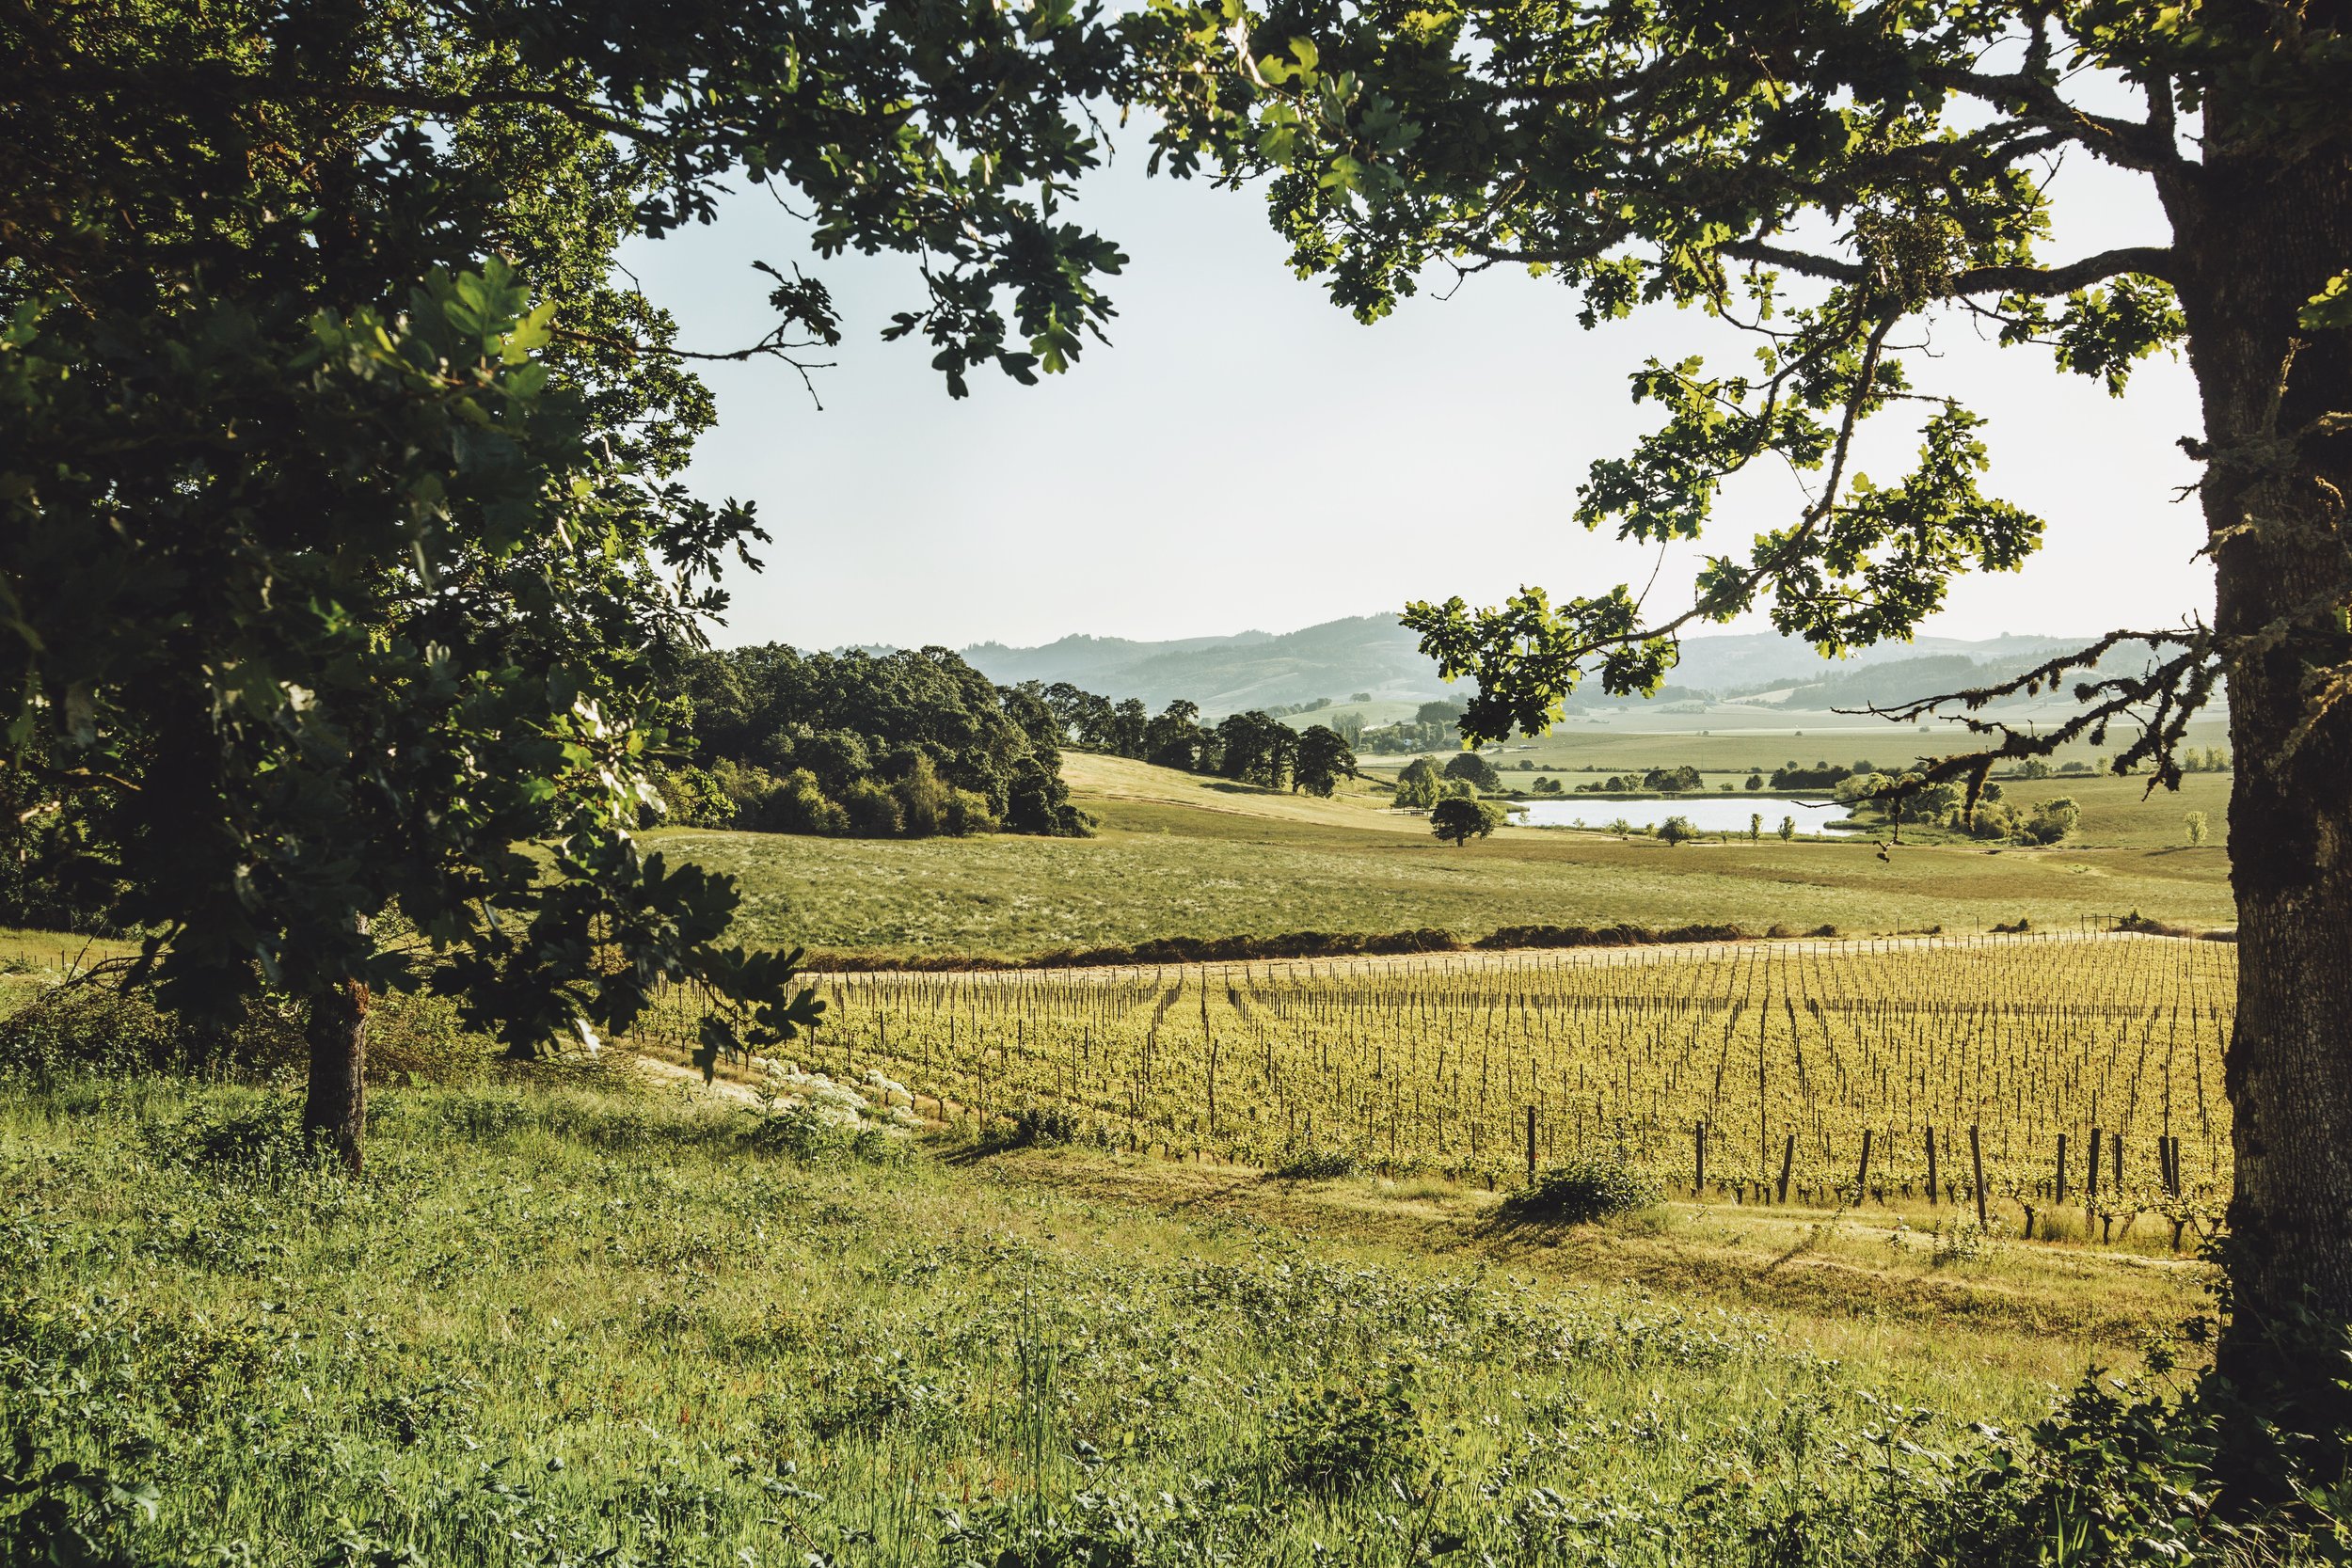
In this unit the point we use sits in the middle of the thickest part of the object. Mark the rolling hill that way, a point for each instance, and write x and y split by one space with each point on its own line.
1372 654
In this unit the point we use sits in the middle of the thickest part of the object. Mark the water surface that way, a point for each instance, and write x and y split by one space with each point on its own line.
1708 814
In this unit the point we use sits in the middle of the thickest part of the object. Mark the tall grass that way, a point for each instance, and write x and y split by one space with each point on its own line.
589 1325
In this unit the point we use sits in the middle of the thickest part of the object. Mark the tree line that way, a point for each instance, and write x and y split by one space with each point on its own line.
912 743
1253 747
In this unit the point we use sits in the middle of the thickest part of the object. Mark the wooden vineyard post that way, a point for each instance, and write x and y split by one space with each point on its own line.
1698 1162
2091 1179
1932 1195
1862 1174
2061 1172
1976 1160
1531 1145
1788 1164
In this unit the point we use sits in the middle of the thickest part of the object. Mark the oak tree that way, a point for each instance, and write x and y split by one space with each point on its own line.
1324 759
1833 181
1459 818
340 542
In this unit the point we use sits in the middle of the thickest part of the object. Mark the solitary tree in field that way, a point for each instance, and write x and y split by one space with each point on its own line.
1324 760
2195 822
1459 818
1835 181
1787 829
1675 832
341 540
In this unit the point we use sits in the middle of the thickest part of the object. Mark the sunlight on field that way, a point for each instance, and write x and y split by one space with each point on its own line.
1829 1074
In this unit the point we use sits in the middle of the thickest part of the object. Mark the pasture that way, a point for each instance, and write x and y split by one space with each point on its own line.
1180 855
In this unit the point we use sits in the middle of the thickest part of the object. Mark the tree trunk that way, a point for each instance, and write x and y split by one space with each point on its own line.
2255 238
335 1110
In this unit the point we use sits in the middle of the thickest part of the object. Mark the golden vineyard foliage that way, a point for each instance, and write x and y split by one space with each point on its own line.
1767 1056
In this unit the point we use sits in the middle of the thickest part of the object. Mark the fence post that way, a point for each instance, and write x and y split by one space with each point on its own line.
1976 1160
2090 1173
1698 1141
2061 1172
1861 1174
1531 1145
1787 1162
1931 1184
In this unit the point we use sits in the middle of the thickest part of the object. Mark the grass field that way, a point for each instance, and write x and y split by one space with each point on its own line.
1178 855
571 1325
1737 739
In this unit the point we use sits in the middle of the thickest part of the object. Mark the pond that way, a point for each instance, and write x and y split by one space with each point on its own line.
1708 814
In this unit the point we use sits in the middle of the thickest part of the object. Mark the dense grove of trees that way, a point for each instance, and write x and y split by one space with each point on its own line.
1909 798
1255 747
906 744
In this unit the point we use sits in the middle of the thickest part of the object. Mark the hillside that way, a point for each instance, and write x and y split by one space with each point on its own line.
1372 654
1250 669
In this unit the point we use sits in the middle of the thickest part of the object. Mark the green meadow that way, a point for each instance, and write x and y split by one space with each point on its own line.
570 1319
1180 855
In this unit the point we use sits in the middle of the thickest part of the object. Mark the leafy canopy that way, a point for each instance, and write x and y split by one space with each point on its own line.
1827 177
340 551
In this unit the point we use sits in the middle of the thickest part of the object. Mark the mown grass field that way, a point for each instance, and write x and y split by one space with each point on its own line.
571 1323
1180 856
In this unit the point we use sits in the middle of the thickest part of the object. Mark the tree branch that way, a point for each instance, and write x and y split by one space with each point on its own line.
2179 687
2127 143
2148 260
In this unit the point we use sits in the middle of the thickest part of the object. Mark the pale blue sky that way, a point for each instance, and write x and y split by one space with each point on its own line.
1243 454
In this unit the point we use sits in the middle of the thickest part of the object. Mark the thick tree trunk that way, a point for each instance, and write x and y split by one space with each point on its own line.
336 1112
2255 238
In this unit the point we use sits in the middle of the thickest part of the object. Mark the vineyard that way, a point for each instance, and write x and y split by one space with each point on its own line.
2013 1076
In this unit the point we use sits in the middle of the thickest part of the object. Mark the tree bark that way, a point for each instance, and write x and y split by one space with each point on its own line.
335 1110
2256 236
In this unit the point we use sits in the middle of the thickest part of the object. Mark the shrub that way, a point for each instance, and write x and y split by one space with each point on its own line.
799 804
1308 1162
98 1028
806 1134
923 799
1040 1126
2051 821
968 814
1337 1440
873 811
261 1141
1586 1189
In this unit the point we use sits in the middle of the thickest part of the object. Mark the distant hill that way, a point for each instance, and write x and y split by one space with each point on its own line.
1224 674
1372 654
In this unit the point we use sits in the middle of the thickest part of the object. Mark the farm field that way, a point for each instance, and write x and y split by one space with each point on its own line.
1948 1078
1738 738
1178 855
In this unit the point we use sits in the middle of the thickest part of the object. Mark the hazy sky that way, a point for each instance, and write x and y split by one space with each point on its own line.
1243 454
